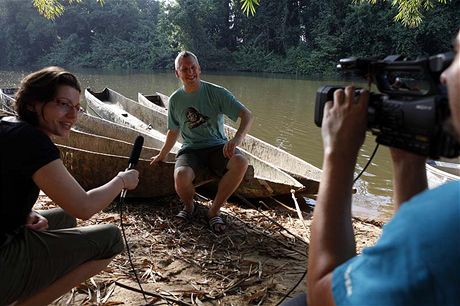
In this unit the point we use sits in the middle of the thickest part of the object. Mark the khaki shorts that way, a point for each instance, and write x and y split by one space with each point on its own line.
32 260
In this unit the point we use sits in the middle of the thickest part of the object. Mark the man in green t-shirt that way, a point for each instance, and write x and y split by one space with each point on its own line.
196 112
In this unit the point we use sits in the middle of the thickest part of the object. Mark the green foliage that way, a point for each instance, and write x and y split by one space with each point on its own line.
377 31
51 9
22 44
66 52
249 6
410 12
203 27
252 58
285 36
298 60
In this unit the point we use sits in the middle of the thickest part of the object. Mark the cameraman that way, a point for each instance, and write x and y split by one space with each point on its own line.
416 260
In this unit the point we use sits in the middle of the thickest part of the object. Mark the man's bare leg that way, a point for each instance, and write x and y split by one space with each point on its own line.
65 283
236 166
183 183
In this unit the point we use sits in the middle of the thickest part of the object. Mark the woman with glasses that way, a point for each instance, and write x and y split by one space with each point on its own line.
43 254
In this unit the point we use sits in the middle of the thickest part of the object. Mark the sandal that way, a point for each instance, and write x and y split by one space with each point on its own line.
186 216
217 225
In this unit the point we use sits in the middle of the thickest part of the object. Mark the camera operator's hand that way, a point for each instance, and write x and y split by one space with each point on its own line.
344 123
409 175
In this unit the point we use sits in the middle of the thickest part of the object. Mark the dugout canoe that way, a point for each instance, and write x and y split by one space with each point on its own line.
157 99
442 171
96 125
7 99
267 181
301 170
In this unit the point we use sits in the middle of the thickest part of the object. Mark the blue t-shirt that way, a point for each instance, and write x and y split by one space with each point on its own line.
415 262
200 115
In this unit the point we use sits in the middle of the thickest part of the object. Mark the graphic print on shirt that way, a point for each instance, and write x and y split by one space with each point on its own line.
194 118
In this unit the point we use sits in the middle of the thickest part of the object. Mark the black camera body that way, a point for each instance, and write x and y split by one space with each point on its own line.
412 111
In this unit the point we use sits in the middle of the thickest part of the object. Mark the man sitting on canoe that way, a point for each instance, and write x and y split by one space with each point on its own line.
196 111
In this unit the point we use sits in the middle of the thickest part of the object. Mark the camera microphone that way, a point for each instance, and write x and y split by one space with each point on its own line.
134 158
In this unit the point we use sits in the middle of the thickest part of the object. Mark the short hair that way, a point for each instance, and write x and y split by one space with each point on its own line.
41 86
184 54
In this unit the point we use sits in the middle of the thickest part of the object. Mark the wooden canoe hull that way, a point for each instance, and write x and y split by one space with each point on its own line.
112 112
93 169
94 160
101 143
440 172
158 99
90 159
99 126
7 99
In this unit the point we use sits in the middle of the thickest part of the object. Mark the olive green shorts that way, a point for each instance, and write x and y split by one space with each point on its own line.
32 260
212 158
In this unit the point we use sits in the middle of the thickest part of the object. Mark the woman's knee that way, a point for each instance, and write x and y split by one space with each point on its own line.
106 238
117 244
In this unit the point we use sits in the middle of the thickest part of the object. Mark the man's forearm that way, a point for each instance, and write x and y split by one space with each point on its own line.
332 239
171 138
245 124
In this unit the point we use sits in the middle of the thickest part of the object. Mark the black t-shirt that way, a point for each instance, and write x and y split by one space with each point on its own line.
23 150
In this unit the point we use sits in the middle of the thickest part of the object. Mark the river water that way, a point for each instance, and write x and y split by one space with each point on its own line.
283 107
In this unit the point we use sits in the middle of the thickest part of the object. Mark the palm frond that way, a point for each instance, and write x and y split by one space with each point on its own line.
249 6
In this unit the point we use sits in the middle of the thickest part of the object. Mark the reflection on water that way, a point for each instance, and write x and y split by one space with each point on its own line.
283 109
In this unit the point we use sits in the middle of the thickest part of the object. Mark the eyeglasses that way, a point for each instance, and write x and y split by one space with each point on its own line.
67 106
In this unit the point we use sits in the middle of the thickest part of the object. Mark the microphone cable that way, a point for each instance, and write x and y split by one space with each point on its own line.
120 205
133 159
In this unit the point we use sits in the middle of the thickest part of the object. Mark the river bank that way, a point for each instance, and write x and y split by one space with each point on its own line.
259 260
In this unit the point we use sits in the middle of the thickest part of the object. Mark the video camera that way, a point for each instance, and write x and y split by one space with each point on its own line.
411 112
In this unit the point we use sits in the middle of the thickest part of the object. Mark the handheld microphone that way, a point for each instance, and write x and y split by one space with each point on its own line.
134 158
136 152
